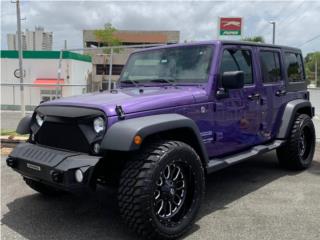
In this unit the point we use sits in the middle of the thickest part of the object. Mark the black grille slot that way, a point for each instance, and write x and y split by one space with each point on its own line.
63 135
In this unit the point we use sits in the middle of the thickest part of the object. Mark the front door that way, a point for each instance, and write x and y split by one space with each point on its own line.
237 117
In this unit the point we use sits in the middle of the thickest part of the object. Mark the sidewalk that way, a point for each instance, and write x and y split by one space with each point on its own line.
316 122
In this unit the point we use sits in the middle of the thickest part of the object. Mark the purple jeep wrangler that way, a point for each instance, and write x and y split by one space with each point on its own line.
179 113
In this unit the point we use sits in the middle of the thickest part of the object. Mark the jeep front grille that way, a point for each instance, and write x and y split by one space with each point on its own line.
63 135
67 127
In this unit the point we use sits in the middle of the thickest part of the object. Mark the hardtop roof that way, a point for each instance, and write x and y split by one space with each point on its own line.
221 42
231 42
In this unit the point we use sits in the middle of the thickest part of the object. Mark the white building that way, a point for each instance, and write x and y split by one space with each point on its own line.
31 40
40 68
11 40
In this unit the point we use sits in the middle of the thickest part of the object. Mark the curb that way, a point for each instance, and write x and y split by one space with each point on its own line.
11 141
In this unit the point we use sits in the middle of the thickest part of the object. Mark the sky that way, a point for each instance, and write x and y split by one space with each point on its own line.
297 22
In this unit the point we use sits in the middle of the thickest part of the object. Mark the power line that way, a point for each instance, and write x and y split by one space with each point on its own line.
281 21
294 11
292 21
261 32
310 40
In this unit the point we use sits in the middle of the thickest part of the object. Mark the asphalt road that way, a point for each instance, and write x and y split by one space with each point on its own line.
253 200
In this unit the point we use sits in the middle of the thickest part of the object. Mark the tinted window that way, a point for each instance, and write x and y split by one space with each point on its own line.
238 60
294 67
180 64
270 66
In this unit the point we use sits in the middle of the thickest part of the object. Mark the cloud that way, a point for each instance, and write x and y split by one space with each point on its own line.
297 21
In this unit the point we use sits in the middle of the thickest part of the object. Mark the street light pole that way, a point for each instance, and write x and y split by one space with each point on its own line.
23 109
273 31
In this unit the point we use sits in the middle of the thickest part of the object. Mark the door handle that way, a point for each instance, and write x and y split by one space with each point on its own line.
253 97
281 93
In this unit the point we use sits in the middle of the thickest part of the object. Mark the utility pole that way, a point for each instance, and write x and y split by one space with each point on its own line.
273 31
23 108
316 69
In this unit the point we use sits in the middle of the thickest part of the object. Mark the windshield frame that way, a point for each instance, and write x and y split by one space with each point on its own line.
174 83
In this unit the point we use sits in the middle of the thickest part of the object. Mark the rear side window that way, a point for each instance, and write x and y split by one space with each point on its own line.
294 67
270 66
238 60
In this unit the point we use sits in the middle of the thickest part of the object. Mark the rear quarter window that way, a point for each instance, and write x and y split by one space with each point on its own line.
270 66
294 67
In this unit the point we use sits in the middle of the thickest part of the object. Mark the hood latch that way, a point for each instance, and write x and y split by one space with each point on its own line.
120 112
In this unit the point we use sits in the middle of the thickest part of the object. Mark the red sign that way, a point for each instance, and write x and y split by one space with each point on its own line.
230 26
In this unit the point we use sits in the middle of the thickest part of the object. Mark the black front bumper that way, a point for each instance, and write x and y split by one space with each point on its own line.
53 167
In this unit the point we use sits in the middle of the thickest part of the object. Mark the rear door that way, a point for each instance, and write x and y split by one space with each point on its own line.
273 91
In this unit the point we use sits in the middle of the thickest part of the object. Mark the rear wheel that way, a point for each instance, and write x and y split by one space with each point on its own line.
42 188
297 153
161 190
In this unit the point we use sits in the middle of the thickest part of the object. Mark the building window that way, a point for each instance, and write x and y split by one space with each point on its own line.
101 69
49 94
294 67
238 60
104 69
270 66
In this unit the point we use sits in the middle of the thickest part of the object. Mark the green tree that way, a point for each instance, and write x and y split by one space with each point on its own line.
259 39
106 37
310 62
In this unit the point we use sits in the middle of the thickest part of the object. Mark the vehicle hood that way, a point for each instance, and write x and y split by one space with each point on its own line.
135 99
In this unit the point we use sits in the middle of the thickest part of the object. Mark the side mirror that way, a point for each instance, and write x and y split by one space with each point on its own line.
233 80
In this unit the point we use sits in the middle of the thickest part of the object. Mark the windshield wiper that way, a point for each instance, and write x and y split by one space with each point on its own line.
163 80
130 82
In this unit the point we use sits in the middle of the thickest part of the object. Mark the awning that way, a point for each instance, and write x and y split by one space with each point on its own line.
48 81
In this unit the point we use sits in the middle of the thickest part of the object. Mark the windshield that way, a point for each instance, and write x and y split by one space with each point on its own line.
169 65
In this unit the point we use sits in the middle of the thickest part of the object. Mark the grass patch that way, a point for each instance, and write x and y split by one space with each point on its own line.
11 133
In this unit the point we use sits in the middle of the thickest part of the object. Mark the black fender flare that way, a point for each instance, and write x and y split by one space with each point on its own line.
24 125
289 115
120 136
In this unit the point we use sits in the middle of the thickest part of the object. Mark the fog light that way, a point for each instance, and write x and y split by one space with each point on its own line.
56 176
78 175
10 162
96 148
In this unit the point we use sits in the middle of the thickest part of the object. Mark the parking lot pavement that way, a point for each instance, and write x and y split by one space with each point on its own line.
253 200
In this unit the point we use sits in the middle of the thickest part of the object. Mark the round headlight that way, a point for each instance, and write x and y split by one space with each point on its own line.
78 175
98 124
39 120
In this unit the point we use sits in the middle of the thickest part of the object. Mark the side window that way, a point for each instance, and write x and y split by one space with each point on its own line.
270 66
294 67
238 60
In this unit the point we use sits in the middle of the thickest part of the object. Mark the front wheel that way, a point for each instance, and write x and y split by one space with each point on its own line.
297 153
161 190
